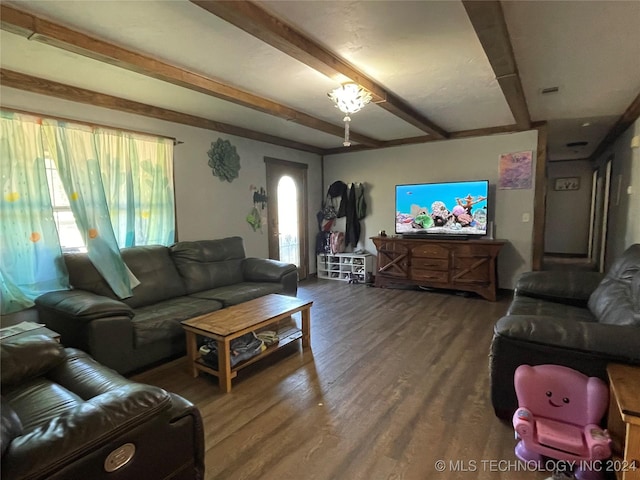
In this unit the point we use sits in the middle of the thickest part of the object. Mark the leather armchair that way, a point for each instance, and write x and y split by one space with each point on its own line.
65 416
581 320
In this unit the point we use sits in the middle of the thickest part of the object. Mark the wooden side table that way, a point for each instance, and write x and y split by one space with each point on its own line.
624 420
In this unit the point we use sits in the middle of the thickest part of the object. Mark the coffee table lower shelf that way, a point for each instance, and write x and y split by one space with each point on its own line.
286 337
271 311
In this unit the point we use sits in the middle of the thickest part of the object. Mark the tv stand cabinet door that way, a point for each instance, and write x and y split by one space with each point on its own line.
393 260
474 268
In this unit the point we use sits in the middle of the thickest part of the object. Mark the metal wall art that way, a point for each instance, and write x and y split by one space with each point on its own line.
224 160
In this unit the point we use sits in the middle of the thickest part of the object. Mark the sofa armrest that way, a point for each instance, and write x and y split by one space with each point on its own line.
28 357
609 341
598 442
569 287
92 425
265 270
523 422
81 305
91 323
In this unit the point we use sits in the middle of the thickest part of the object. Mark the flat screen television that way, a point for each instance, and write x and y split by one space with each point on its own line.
445 210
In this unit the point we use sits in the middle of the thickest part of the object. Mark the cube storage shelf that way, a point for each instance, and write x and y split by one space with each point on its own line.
345 266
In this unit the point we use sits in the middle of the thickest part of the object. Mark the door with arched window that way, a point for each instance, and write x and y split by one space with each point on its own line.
287 213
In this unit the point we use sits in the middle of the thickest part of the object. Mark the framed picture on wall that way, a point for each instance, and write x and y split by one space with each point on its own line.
566 183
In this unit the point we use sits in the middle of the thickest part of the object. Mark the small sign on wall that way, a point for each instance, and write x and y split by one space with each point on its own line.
566 183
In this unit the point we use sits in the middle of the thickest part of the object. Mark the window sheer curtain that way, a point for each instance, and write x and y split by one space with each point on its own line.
73 150
30 255
137 174
120 189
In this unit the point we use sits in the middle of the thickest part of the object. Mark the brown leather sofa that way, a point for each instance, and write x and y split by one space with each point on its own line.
581 320
66 417
176 283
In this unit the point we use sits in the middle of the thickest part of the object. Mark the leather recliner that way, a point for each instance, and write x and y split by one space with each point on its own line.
580 320
65 416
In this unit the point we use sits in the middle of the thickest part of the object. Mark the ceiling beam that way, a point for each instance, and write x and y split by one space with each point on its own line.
625 121
256 21
489 24
477 132
9 78
36 28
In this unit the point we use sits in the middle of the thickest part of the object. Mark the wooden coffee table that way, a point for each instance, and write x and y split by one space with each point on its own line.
232 322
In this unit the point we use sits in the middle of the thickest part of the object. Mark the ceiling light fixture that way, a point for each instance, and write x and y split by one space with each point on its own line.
349 98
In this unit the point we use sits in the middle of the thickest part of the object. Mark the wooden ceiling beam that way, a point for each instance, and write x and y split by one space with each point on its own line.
490 26
42 86
477 132
631 114
256 21
35 28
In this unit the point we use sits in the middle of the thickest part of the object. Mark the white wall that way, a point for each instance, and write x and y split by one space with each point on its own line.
623 227
206 208
464 159
568 211
632 232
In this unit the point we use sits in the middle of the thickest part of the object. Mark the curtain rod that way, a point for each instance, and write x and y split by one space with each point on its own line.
89 124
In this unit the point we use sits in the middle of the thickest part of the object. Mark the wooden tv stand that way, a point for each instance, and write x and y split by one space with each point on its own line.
467 265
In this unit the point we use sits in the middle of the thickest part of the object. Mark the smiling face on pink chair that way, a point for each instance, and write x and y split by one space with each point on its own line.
561 393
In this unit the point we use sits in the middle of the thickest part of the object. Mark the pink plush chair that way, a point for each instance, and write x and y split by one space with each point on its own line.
557 417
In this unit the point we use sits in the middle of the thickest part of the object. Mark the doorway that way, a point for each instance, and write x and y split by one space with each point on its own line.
606 198
602 188
287 213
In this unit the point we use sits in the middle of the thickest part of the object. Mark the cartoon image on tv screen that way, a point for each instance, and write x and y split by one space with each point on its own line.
458 208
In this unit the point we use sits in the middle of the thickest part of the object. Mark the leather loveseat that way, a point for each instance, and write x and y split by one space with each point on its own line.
64 417
581 320
176 283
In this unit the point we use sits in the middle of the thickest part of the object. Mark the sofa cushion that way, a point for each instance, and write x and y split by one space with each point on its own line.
208 264
161 321
150 264
10 425
153 267
40 400
522 305
240 292
615 301
84 276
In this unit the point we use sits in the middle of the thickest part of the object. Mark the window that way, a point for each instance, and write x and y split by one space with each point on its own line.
41 160
68 233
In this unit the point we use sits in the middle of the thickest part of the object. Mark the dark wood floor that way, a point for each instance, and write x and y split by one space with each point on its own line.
395 380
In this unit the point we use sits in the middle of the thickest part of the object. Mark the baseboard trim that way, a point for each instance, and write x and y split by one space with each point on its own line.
565 255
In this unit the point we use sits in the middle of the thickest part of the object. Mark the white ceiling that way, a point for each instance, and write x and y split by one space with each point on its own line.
425 52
